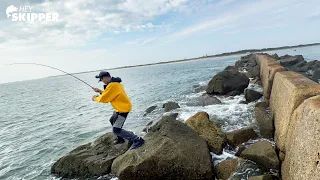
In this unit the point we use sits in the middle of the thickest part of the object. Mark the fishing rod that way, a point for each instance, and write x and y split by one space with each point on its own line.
51 68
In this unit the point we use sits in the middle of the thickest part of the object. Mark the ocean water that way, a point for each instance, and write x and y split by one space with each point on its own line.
42 120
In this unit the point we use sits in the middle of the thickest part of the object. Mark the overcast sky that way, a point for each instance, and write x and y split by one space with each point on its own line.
99 34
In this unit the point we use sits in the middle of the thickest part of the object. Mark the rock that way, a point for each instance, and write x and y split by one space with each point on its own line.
262 153
204 100
240 136
228 81
252 95
264 120
150 109
172 150
89 160
237 169
287 60
263 177
316 75
209 131
226 168
170 106
254 72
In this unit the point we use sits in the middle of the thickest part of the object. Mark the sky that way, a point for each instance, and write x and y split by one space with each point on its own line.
101 34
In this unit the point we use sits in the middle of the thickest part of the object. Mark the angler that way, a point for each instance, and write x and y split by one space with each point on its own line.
116 95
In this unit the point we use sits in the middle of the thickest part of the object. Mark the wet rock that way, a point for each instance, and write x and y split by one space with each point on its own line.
204 100
150 109
227 81
264 120
316 75
237 169
172 150
264 177
169 106
90 160
262 153
252 95
288 60
208 130
240 136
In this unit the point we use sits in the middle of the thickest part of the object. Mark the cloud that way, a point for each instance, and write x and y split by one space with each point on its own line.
83 20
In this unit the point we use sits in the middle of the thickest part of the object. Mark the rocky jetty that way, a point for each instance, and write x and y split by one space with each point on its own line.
286 125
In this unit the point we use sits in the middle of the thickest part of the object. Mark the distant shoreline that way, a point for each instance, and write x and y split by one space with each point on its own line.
228 54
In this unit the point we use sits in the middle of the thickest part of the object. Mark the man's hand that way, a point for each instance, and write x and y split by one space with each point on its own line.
96 90
93 97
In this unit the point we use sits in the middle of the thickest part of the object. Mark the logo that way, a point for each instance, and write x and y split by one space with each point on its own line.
10 10
24 13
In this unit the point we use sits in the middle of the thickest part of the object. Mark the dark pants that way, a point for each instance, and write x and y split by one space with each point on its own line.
117 120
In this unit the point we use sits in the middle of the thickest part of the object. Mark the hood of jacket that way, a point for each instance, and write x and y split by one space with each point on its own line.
113 79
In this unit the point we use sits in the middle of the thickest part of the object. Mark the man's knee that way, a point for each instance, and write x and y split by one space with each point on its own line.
116 130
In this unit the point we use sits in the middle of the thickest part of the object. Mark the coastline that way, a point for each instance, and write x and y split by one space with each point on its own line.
222 55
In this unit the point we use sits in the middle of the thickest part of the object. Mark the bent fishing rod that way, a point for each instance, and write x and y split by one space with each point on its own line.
52 68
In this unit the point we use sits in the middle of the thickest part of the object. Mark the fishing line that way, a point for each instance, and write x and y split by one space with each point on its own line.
51 68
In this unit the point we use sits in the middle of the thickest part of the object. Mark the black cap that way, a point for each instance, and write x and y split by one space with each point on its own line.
103 74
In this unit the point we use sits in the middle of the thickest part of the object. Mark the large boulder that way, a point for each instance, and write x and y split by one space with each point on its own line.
240 136
251 95
237 169
90 160
228 81
172 150
208 130
263 153
264 119
204 100
169 106
288 60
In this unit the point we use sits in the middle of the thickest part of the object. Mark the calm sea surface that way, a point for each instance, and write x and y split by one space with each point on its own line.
41 120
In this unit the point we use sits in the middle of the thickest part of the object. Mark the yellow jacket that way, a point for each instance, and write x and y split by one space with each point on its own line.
116 95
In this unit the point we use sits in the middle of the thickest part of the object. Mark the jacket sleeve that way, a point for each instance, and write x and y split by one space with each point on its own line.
108 95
